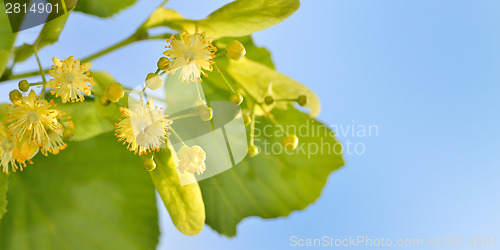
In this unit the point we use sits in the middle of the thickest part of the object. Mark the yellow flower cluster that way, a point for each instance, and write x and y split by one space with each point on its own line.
34 124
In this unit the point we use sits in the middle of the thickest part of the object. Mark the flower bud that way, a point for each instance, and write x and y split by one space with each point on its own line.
114 92
68 133
206 113
154 81
149 164
235 50
14 95
163 63
236 98
247 119
253 150
104 101
302 100
268 100
290 142
24 86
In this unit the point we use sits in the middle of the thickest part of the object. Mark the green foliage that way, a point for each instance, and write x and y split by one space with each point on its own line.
7 39
184 203
103 8
256 72
238 18
94 195
272 184
87 118
49 35
260 76
3 195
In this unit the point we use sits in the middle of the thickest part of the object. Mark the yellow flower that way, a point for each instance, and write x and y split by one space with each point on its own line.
144 129
33 117
71 79
14 153
191 159
191 54
55 144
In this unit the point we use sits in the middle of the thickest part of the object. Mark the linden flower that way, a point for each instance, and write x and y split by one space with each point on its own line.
13 153
191 159
191 54
144 129
33 117
71 79
55 143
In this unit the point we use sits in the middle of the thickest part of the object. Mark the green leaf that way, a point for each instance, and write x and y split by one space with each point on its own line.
273 184
256 77
87 119
49 35
92 195
238 18
184 203
103 8
166 17
7 39
3 194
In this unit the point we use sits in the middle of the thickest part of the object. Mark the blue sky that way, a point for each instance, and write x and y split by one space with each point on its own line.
424 72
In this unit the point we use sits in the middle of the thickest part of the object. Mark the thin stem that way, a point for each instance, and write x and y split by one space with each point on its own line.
286 100
41 72
268 115
96 55
111 48
176 135
224 77
198 90
252 130
221 53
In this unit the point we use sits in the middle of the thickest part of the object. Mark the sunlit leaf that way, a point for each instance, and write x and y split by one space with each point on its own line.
276 182
92 195
7 39
238 18
256 77
184 203
3 194
87 119
103 8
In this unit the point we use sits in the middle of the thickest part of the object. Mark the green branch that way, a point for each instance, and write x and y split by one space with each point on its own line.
132 39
